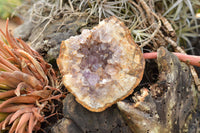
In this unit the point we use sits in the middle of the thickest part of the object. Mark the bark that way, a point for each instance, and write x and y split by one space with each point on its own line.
172 103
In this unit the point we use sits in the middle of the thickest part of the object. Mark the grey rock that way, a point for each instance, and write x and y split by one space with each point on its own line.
65 126
24 31
172 103
47 37
107 121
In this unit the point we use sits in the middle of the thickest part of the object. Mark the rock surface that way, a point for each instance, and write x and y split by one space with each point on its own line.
172 103
47 36
78 119
24 31
65 125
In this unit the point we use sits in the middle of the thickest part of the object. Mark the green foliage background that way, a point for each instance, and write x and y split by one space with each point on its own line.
7 7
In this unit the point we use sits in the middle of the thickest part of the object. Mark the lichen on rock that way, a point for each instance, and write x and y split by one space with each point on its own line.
101 66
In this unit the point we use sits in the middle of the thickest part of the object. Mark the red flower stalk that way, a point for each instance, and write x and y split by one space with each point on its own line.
189 59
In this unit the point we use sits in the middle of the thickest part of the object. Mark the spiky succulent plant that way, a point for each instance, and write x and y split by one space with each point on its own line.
27 85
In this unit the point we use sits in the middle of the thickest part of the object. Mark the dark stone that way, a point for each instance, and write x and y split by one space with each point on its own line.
48 43
107 121
172 103
65 126
47 36
24 31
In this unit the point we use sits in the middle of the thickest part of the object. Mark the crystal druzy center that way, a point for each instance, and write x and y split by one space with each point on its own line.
94 62
102 65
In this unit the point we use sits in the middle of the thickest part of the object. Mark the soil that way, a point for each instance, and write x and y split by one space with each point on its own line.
12 25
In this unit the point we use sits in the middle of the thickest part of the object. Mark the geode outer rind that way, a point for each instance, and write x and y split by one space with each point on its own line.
101 66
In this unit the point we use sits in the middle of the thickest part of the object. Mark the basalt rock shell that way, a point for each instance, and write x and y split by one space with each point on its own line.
101 66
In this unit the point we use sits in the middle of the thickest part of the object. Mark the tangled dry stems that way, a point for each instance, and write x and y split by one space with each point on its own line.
137 15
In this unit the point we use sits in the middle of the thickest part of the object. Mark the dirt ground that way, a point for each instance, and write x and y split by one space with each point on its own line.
12 25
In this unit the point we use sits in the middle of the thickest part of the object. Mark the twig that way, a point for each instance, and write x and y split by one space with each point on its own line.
193 71
147 9
42 30
189 59
179 49
155 31
139 8
70 3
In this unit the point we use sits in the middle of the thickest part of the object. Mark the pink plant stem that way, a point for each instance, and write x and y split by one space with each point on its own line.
191 59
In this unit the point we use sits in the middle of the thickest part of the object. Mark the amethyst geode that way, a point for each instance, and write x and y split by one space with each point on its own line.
101 66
